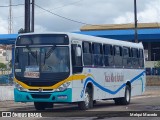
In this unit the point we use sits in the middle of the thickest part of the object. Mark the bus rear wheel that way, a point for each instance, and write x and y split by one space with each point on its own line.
126 99
42 105
88 100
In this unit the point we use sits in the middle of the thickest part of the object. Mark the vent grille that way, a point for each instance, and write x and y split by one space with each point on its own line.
40 95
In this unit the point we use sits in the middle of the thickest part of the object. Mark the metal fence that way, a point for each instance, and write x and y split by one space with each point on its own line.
153 71
6 79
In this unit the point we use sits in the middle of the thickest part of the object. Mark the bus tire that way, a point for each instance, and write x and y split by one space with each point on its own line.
88 103
117 101
39 105
94 102
49 105
127 98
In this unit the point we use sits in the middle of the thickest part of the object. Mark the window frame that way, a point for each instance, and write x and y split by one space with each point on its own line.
90 48
141 51
118 56
100 54
137 56
129 52
110 49
90 52
120 48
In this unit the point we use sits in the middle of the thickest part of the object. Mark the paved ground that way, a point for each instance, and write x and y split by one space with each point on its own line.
150 101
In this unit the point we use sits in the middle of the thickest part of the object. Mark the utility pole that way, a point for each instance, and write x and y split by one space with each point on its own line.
27 16
135 20
10 18
32 24
10 31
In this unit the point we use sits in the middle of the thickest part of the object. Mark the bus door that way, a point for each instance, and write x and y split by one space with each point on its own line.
76 53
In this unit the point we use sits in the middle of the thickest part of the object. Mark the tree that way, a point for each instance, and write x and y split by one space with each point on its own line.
157 65
3 66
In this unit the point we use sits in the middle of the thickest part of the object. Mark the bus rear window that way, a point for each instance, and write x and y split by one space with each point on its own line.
43 39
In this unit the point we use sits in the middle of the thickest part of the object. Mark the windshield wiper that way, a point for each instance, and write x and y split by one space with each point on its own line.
48 54
33 54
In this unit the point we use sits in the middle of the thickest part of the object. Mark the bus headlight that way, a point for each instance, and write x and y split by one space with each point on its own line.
19 87
64 86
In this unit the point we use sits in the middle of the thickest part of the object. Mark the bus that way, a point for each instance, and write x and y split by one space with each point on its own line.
73 68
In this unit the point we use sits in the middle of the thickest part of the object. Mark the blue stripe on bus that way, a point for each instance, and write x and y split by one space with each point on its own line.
89 79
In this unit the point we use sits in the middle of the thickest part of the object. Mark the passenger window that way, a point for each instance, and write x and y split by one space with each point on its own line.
87 56
107 49
141 58
127 61
108 55
118 56
141 53
86 47
97 54
126 53
135 55
117 51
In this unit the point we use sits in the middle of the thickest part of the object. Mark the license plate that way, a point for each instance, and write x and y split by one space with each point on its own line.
31 74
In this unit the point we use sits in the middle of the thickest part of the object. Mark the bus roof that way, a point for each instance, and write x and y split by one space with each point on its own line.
104 40
76 36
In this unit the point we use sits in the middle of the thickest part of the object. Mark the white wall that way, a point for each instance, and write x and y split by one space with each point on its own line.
8 55
6 93
150 64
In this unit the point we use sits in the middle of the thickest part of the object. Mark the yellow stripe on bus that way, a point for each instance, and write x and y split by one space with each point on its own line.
71 78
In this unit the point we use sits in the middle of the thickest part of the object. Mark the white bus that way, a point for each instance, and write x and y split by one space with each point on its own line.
68 67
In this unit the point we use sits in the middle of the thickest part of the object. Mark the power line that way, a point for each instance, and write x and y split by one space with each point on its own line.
11 5
64 5
10 18
75 20
49 11
69 19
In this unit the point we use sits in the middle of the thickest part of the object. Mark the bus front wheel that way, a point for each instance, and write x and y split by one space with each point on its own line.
88 100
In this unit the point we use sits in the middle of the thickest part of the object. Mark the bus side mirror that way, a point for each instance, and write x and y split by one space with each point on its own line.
78 51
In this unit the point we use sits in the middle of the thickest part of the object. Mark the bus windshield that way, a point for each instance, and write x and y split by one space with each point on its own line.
34 62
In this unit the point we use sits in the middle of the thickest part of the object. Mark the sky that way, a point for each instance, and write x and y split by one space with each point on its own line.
84 11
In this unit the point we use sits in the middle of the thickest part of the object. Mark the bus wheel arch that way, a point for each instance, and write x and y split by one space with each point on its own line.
128 83
88 98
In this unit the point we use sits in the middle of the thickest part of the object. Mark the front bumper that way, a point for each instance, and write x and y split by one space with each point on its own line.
65 96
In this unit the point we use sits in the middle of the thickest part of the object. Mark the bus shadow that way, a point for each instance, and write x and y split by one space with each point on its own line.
57 107
69 107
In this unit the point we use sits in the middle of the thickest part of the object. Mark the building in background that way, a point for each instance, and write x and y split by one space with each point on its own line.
5 54
148 34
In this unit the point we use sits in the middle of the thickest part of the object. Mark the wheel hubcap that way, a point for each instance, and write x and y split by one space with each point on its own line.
127 95
86 99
